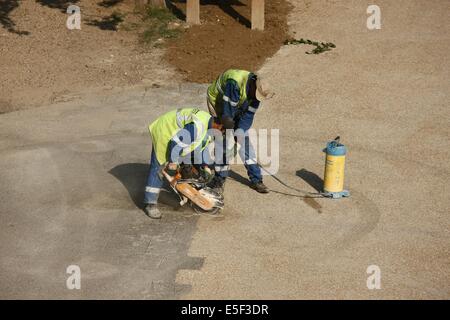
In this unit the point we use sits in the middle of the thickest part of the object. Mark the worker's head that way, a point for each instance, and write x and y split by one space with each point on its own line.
259 88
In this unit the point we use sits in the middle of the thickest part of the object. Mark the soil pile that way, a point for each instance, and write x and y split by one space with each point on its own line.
225 40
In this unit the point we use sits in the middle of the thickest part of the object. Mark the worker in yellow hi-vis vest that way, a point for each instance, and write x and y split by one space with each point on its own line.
234 98
175 135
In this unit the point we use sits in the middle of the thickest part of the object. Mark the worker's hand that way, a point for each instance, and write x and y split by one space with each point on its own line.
206 174
172 169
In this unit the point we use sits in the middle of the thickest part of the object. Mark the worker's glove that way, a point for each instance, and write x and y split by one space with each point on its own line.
206 174
172 169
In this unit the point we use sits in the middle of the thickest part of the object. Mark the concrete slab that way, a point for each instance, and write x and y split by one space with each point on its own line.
72 179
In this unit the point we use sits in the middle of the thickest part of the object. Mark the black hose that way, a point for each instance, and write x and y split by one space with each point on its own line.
307 194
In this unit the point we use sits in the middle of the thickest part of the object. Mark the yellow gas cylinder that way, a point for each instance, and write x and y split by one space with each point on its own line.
333 181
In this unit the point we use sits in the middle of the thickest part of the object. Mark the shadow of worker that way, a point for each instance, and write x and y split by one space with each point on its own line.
238 178
133 176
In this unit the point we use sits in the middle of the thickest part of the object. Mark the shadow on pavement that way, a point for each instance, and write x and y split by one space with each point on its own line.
237 177
133 176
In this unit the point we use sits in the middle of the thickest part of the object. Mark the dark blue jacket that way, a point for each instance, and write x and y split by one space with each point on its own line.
244 115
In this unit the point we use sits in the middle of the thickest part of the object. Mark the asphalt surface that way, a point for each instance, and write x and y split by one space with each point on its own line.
72 177
71 194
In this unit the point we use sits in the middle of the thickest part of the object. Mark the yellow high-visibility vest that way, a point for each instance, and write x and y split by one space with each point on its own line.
218 86
163 129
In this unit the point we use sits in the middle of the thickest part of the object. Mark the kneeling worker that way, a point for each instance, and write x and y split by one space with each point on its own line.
168 132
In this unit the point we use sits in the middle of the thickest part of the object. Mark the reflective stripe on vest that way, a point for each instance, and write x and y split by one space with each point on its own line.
218 86
168 125
182 120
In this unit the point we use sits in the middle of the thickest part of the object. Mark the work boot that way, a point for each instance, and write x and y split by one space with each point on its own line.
152 211
217 185
260 187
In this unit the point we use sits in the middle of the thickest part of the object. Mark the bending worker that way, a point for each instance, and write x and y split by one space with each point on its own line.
175 135
234 98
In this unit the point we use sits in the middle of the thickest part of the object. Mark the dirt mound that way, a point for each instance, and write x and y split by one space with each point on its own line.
224 39
41 61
